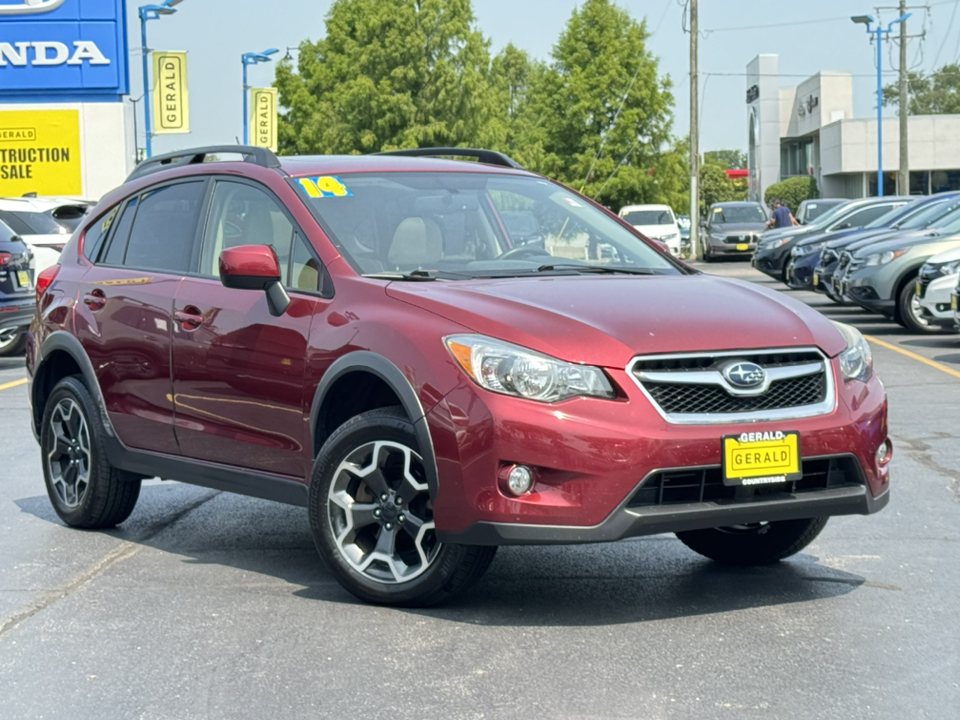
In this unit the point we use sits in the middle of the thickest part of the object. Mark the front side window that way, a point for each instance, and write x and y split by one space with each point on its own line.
470 225
864 216
117 247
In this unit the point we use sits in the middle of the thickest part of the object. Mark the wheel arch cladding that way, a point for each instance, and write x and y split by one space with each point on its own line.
361 381
62 355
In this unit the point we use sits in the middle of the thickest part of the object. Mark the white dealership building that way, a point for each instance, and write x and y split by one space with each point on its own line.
810 130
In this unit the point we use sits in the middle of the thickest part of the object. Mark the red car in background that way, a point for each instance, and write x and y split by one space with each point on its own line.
366 337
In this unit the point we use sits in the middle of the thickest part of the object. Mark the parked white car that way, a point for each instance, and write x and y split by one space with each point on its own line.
657 222
45 224
936 282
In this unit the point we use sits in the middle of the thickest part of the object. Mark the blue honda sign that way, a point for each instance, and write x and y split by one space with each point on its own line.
62 50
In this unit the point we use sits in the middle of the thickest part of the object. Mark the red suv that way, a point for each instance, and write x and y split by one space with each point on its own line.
437 357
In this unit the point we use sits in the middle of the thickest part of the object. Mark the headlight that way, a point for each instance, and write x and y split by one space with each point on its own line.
772 244
671 236
856 362
805 249
715 236
950 268
512 370
883 258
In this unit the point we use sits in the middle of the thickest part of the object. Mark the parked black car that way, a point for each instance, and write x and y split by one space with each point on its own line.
17 301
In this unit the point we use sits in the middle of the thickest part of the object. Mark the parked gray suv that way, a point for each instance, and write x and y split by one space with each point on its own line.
732 228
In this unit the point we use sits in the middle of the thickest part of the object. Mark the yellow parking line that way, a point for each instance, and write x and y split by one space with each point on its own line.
913 355
15 383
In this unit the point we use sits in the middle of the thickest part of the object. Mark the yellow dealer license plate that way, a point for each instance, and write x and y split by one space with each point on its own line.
743 246
761 458
23 278
816 279
919 289
953 302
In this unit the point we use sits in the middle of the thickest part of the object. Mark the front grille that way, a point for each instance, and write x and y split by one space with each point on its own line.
680 486
744 238
693 389
790 393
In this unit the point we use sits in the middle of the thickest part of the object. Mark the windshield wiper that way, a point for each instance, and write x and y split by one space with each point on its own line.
420 276
606 269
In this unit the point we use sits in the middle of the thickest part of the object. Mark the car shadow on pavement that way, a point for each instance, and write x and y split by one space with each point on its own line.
638 580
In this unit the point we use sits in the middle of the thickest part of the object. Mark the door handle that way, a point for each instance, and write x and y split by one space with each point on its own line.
189 318
95 299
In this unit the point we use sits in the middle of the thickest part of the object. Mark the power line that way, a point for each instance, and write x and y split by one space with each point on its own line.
953 14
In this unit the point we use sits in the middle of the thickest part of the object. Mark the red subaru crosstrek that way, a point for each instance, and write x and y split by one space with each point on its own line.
437 357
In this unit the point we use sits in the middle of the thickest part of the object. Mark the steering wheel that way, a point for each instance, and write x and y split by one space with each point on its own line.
523 251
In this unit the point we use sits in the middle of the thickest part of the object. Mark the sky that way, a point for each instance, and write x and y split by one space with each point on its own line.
809 36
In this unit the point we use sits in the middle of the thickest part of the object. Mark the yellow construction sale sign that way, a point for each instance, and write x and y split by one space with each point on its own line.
40 153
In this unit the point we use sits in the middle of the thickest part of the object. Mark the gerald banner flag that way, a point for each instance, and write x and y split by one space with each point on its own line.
171 99
264 120
40 153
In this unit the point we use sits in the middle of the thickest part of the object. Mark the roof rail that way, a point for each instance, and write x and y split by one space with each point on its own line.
488 157
194 156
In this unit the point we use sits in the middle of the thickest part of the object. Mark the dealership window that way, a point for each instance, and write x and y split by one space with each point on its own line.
889 184
920 183
796 158
943 180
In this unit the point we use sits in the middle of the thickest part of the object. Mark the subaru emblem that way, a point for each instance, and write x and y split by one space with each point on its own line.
744 375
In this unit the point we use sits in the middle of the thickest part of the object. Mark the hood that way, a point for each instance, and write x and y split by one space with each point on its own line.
655 232
785 232
838 243
606 320
738 227
900 240
945 257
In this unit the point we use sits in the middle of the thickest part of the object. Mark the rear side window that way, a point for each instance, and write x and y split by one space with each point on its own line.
866 215
118 241
165 228
97 233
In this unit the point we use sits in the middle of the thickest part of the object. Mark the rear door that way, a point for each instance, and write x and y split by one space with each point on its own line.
238 371
140 251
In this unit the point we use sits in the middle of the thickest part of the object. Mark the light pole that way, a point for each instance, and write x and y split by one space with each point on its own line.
150 12
249 59
136 133
879 32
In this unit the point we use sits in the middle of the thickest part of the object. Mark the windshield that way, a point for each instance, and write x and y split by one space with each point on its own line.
816 209
738 214
649 217
33 223
461 225
927 215
827 218
683 222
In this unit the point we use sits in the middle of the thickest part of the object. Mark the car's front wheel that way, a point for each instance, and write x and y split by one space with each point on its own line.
12 342
910 312
85 490
755 543
371 516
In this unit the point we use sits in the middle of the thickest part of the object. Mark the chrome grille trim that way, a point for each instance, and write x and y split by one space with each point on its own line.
714 377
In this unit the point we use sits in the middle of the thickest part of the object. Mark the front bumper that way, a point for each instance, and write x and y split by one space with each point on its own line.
770 262
803 269
719 248
592 456
872 288
935 301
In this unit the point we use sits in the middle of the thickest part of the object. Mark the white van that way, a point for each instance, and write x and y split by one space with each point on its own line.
657 222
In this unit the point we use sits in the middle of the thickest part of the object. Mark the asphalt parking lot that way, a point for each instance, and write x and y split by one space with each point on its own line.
207 605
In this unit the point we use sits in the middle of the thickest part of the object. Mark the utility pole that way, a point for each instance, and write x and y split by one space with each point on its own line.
903 185
694 136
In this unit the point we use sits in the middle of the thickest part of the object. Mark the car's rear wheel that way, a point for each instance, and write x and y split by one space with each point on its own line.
85 490
371 515
753 544
910 314
12 342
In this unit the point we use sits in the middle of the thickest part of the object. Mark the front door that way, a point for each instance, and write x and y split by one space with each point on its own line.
238 371
124 314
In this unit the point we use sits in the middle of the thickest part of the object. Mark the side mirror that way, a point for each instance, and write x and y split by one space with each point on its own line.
255 267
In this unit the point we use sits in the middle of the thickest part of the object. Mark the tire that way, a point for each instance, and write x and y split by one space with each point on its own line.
14 345
85 490
755 544
908 312
370 471
788 278
707 257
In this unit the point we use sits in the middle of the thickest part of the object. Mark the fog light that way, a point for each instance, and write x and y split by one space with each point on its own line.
884 452
520 480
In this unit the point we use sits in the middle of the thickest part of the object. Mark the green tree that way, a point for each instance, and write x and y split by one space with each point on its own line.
513 128
726 158
716 187
602 110
937 93
792 191
388 74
